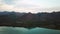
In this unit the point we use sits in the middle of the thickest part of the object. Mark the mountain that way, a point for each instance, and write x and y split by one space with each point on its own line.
46 20
7 17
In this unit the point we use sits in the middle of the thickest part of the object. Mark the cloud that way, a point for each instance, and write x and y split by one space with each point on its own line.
23 7
12 8
29 5
9 2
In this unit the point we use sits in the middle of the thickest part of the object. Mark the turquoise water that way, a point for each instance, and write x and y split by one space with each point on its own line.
21 30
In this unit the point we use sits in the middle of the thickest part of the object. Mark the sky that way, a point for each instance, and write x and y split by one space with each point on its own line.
30 5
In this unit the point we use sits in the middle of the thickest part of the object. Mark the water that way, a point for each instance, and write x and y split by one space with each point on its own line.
21 30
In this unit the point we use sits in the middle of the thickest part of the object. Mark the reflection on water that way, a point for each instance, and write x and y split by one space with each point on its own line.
21 30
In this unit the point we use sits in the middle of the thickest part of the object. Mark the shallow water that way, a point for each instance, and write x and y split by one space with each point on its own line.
21 30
